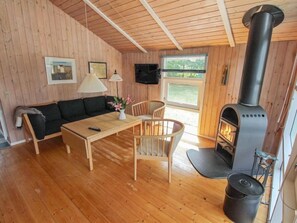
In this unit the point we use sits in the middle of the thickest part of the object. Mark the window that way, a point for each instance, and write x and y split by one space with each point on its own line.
193 66
183 80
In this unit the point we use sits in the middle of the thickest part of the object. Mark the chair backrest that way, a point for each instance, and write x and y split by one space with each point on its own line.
153 105
160 137
140 108
154 108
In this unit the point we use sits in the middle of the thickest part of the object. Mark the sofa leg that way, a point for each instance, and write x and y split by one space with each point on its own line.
36 146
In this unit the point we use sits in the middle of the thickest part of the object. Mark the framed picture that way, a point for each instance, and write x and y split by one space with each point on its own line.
60 70
98 68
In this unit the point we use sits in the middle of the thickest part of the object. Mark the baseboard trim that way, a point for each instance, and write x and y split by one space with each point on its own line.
17 142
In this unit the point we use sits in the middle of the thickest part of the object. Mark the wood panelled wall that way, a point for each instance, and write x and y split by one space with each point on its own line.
31 30
276 81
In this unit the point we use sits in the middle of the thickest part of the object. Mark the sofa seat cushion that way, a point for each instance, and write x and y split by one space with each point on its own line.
100 112
94 104
71 109
54 126
50 111
76 118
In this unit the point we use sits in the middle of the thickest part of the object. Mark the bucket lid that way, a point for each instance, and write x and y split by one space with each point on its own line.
245 184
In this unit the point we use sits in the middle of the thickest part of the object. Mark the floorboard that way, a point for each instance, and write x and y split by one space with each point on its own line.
58 187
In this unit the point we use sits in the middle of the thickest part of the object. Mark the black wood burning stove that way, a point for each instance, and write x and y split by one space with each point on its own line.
241 130
242 127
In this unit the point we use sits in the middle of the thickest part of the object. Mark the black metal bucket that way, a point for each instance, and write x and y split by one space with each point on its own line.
243 195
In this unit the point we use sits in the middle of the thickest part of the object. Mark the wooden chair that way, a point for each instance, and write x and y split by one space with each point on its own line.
158 142
149 109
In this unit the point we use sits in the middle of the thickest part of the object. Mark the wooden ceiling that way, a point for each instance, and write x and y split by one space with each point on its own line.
193 23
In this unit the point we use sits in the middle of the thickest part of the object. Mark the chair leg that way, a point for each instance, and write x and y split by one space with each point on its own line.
135 158
169 169
135 169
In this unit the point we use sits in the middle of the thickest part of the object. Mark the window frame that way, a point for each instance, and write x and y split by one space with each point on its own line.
164 70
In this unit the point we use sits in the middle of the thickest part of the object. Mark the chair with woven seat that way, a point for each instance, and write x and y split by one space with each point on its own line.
152 109
158 142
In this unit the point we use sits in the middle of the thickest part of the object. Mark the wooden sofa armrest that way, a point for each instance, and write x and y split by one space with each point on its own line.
29 131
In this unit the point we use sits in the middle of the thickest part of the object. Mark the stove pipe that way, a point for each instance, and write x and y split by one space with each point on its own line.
261 20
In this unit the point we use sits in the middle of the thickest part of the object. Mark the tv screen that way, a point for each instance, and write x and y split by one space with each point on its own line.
147 73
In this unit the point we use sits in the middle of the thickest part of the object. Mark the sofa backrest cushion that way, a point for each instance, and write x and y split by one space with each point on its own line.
50 111
94 104
71 108
38 125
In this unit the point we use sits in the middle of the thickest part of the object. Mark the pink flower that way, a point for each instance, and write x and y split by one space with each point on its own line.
129 100
121 103
117 107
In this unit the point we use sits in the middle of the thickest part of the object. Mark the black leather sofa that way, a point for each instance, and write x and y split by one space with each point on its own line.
56 114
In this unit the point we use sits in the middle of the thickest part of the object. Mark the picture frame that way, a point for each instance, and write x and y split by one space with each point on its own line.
60 70
98 68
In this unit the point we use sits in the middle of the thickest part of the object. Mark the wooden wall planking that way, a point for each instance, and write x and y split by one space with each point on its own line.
276 81
31 30
24 41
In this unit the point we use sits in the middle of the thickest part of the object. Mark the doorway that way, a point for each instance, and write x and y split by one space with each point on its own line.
3 130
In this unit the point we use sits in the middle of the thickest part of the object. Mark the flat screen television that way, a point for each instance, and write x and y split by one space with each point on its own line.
147 73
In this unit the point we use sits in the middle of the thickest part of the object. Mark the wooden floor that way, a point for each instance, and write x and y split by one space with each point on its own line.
58 187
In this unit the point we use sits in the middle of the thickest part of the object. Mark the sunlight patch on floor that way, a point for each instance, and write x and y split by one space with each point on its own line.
188 117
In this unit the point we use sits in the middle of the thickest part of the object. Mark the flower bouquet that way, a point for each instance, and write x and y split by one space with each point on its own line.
120 105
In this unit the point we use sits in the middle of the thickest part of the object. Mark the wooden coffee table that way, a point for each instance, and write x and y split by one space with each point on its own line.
78 135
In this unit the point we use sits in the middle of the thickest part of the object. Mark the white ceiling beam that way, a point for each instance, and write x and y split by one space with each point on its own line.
107 19
226 21
160 23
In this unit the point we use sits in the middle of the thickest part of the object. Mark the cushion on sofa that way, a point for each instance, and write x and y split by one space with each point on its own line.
38 125
94 104
72 108
50 111
54 126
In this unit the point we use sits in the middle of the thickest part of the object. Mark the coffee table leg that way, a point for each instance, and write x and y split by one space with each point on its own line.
87 152
68 149
89 148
